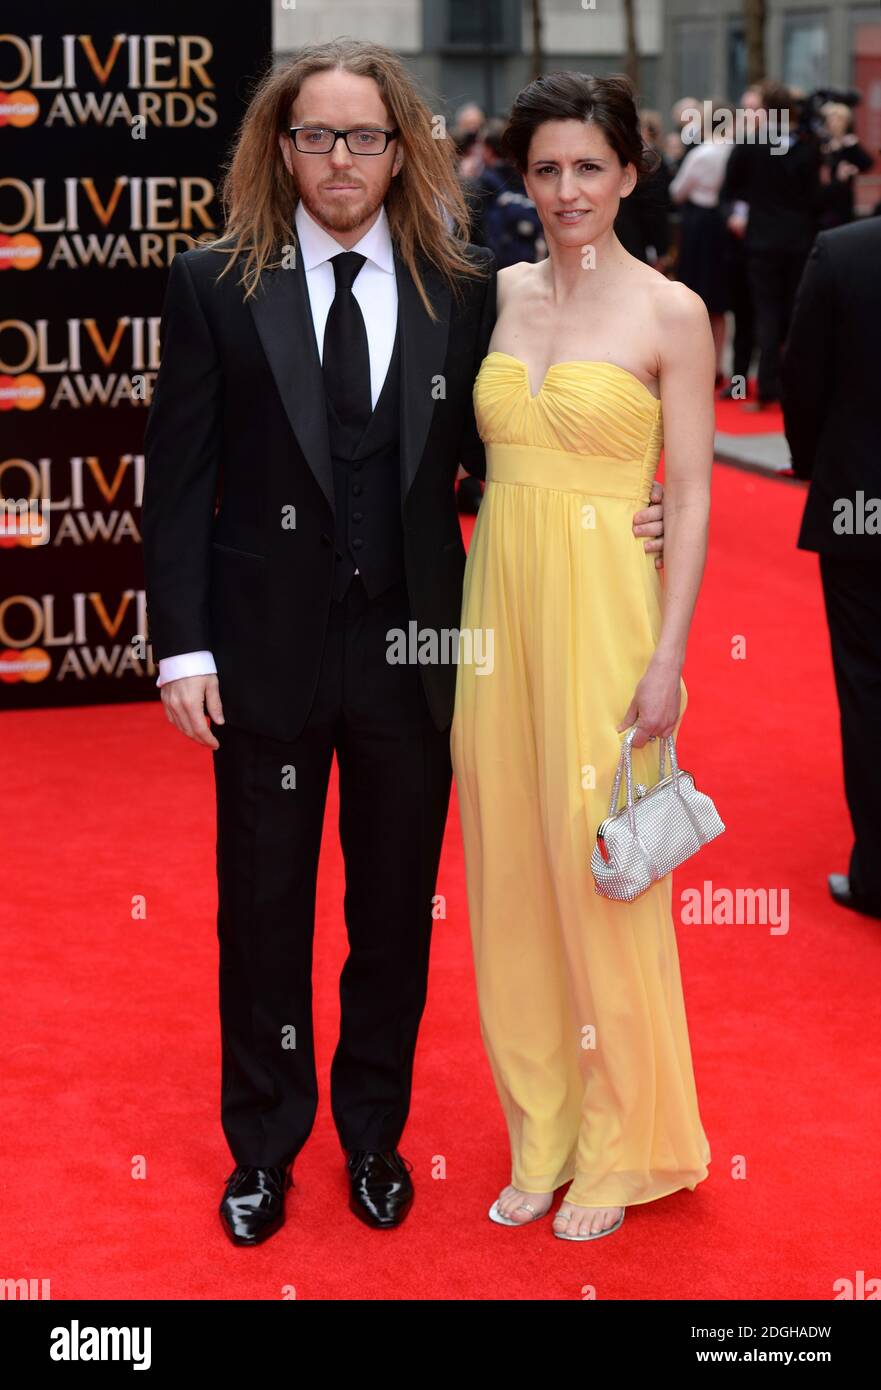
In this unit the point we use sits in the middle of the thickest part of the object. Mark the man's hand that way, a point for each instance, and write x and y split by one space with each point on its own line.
650 522
185 701
737 224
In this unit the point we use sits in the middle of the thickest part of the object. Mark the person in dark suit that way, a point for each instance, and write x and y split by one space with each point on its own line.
300 531
782 191
643 222
831 372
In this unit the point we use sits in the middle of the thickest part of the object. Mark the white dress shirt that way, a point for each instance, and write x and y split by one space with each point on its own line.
702 174
376 291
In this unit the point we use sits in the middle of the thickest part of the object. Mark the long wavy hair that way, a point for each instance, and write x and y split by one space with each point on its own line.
425 203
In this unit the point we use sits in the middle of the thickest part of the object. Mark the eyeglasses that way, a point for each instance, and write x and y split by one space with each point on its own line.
312 139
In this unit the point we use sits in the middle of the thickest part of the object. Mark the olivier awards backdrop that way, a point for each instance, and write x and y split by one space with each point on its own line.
111 147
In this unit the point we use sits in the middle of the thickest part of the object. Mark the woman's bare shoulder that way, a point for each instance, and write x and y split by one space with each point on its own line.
512 280
682 331
674 305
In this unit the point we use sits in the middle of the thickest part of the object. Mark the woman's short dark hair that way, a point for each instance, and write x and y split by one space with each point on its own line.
610 102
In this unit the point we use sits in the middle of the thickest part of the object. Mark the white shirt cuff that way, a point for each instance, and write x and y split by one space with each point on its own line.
173 668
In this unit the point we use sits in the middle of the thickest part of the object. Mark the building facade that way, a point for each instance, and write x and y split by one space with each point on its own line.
482 50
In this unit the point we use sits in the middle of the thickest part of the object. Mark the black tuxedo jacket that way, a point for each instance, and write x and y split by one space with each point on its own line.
831 383
238 514
783 192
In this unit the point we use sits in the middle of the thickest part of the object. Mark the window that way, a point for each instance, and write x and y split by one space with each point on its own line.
475 21
735 75
694 60
865 50
805 51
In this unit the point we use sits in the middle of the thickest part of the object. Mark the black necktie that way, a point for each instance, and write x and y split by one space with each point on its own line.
346 359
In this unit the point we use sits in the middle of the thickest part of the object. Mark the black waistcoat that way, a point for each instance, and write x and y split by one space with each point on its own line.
367 491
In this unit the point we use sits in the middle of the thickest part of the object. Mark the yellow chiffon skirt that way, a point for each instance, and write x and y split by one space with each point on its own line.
580 998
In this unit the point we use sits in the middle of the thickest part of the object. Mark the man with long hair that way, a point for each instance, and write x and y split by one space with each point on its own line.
313 404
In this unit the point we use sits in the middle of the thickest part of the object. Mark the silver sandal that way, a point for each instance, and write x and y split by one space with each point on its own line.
592 1235
501 1220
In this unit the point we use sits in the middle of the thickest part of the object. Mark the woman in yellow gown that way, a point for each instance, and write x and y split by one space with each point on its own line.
595 362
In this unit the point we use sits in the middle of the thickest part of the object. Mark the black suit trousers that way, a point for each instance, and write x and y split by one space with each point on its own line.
394 786
773 278
852 592
740 296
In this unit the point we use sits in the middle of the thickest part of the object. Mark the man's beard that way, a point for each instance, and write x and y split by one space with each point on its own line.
342 219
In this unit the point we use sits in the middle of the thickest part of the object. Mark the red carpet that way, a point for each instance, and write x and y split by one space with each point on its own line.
732 417
110 1036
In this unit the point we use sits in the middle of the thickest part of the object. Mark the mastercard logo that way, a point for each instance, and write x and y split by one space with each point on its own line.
30 664
18 108
23 392
20 252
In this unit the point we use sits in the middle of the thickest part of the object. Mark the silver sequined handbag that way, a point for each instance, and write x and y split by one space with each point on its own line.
655 832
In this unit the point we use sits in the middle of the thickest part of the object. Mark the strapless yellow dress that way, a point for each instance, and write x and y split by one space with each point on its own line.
580 998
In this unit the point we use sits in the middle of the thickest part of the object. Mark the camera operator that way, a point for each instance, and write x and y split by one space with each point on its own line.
844 158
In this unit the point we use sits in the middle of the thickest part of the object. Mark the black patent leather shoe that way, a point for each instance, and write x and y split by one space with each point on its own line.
839 887
380 1191
253 1203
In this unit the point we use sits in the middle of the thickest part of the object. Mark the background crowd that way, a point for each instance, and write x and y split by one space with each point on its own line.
735 221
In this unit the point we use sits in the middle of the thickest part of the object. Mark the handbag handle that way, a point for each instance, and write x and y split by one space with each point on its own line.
624 760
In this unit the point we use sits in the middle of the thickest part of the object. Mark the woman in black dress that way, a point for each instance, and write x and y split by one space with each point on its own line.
701 265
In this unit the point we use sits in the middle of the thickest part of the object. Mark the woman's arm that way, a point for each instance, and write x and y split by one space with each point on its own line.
858 156
687 368
683 184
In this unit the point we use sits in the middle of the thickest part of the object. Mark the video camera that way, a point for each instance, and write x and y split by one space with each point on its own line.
810 109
